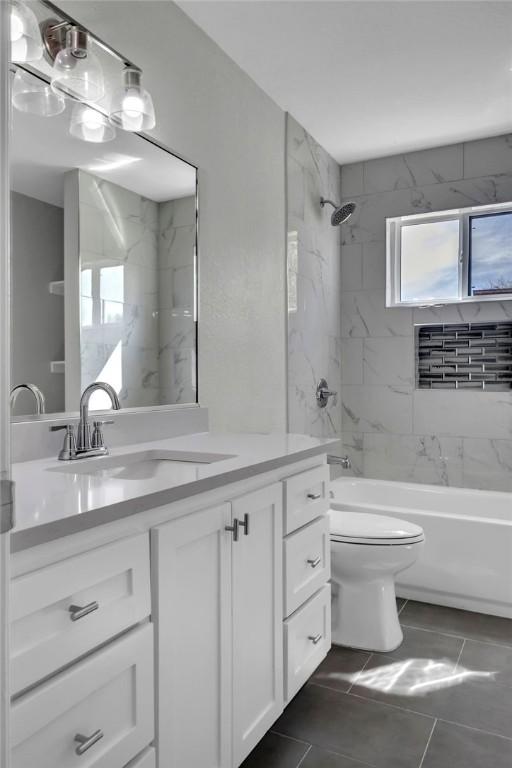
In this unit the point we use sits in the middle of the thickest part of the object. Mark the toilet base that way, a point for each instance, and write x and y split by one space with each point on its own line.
364 615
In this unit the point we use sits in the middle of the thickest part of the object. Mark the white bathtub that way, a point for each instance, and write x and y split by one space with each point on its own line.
467 558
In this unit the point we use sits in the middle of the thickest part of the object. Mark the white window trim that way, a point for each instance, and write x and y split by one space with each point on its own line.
393 262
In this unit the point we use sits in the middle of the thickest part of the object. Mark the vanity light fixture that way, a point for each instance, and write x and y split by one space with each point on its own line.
26 44
77 71
30 94
90 124
132 106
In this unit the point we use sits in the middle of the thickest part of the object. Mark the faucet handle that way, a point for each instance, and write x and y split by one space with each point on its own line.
97 436
68 450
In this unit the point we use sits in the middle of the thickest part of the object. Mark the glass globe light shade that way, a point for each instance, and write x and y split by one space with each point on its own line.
132 106
29 94
77 71
26 43
88 124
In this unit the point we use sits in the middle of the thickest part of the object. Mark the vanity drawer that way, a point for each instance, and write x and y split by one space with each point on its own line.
110 583
109 694
306 496
307 563
307 639
146 760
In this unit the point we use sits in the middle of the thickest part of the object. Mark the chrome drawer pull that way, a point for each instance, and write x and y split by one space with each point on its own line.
86 742
79 611
233 528
315 562
315 639
314 496
245 524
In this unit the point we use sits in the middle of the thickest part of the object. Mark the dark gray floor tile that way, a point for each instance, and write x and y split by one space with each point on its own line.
382 736
452 746
320 758
340 667
488 658
275 751
400 602
440 690
476 626
423 644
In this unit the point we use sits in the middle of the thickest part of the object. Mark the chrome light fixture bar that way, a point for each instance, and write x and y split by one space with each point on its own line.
76 74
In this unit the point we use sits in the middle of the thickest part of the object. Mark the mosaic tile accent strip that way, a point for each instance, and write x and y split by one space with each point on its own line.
464 356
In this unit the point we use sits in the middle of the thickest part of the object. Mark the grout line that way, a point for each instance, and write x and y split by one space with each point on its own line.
460 654
477 730
402 606
327 687
393 706
359 673
291 738
428 743
306 753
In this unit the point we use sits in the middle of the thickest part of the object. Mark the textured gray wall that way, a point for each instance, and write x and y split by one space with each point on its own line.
37 315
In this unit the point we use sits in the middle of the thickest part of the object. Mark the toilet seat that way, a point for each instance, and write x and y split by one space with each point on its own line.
364 528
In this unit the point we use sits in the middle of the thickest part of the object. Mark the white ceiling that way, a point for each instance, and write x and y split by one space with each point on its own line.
369 79
42 150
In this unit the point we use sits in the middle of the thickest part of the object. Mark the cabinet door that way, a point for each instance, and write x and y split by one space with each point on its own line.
257 619
191 558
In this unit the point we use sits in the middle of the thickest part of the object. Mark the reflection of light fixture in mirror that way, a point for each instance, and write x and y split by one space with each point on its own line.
26 42
29 94
90 125
76 70
112 162
132 106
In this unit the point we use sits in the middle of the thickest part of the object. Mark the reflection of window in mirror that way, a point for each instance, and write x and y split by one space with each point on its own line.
449 257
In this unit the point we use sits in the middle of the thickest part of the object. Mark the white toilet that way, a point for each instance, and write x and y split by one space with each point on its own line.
367 551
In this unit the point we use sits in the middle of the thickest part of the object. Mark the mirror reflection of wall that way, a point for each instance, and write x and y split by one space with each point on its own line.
103 267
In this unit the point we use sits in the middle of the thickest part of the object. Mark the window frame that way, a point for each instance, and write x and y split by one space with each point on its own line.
393 254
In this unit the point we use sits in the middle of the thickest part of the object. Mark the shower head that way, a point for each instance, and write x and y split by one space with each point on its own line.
341 212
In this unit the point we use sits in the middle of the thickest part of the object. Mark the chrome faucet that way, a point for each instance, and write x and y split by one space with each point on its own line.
83 440
343 461
38 396
82 445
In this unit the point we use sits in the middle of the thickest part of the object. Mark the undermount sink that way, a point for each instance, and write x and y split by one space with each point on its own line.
138 466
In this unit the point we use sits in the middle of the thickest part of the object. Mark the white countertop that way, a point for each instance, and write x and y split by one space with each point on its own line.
50 503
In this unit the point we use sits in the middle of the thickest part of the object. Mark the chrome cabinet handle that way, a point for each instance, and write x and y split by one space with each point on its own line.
314 496
315 562
86 742
245 524
315 639
233 529
79 611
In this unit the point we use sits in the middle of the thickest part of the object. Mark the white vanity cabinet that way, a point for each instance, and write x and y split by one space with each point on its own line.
218 613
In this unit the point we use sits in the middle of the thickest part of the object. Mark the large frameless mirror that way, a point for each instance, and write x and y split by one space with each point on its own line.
103 257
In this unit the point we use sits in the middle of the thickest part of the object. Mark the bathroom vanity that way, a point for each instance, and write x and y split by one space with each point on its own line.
168 600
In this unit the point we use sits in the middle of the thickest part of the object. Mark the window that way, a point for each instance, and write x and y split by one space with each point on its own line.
449 257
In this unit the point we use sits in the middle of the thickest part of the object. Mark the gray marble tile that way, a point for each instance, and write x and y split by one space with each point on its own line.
352 361
446 413
377 409
414 458
382 736
352 267
388 361
352 446
352 180
364 313
487 464
415 169
458 747
374 265
488 156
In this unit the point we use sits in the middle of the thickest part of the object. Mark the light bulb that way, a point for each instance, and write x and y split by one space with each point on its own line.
89 124
91 119
16 26
76 70
132 108
133 105
25 37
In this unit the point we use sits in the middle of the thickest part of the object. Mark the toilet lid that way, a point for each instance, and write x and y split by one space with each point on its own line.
364 528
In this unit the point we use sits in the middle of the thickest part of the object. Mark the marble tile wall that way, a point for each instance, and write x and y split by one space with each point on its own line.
119 326
313 285
391 430
177 323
